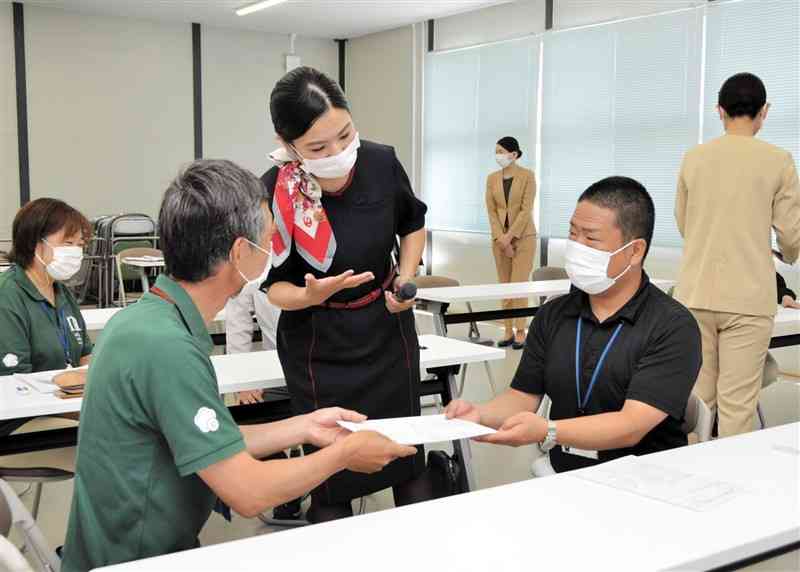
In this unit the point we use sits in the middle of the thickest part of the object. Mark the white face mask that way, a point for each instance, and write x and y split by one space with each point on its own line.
66 261
504 160
251 286
334 167
587 267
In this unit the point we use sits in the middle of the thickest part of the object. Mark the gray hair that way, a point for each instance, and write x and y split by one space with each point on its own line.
205 209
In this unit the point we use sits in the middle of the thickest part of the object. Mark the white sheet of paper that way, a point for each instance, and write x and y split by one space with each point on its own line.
678 488
42 381
421 430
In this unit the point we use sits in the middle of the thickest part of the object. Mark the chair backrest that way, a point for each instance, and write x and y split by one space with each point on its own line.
771 371
21 518
780 403
698 419
549 273
435 282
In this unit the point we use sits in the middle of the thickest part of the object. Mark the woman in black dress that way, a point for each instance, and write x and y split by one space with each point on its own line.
344 338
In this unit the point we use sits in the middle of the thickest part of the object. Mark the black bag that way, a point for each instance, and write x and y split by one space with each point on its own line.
446 474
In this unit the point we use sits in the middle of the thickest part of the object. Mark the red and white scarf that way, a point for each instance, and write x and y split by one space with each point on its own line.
299 216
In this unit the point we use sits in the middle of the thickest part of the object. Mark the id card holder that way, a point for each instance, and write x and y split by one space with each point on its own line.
585 453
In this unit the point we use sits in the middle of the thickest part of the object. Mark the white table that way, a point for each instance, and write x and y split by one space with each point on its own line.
149 262
97 318
553 523
240 372
438 300
243 372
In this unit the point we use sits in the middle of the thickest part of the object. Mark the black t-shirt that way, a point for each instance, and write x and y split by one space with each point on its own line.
655 359
377 206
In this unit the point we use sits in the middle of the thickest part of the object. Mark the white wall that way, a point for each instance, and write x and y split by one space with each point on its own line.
380 87
240 69
110 109
9 166
502 22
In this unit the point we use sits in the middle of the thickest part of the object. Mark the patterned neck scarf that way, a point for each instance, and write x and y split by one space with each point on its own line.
299 216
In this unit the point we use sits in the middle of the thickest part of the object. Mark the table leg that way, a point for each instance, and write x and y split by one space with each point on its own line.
438 309
462 447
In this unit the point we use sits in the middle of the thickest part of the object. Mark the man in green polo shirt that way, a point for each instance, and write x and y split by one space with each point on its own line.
157 446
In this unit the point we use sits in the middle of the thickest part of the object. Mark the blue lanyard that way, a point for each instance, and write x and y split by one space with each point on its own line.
583 403
61 332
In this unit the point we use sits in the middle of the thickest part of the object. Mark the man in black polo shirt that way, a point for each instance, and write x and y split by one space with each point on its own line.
617 356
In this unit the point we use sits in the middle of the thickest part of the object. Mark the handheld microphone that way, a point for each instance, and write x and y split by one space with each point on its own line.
406 292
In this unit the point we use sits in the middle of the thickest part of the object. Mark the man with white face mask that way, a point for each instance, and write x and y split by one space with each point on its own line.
155 433
617 356
41 327
239 322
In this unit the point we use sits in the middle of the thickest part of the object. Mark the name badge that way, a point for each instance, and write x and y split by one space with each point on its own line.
580 452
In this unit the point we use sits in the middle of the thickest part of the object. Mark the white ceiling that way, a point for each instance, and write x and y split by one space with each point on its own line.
313 18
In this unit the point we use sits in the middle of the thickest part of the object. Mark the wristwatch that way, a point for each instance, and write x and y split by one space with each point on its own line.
549 440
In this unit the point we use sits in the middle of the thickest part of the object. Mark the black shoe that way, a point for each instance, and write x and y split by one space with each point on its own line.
505 343
289 511
517 345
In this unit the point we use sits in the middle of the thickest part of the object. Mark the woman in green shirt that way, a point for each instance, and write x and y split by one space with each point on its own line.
41 327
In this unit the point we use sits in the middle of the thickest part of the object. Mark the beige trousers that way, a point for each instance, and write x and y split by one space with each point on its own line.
734 351
517 269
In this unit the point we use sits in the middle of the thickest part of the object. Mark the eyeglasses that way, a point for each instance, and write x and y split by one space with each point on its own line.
267 252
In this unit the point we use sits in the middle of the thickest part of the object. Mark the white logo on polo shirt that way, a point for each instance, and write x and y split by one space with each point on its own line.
75 328
206 420
10 360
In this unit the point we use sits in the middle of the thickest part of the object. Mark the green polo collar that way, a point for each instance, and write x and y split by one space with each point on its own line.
18 274
187 309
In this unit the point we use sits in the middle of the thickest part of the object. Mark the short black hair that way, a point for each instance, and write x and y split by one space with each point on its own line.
630 201
39 219
743 94
511 145
300 98
206 208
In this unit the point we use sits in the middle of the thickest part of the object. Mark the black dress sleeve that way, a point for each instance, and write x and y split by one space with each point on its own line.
286 271
783 290
410 211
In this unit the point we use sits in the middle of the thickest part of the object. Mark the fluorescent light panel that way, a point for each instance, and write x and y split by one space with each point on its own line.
249 9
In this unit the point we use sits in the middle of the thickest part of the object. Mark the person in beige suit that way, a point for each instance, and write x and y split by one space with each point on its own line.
509 202
731 192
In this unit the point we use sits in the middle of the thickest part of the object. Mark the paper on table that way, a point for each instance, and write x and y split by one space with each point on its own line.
678 488
42 381
421 430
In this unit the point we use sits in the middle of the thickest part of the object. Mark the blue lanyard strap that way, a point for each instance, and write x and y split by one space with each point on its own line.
583 403
61 331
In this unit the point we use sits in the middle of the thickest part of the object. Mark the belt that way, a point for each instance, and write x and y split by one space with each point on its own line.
365 300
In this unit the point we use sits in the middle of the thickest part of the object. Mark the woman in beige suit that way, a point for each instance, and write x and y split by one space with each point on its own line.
509 202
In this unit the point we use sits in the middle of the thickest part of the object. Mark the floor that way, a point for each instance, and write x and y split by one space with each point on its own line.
493 466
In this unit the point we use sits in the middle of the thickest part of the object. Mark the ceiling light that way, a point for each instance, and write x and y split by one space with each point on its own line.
250 8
